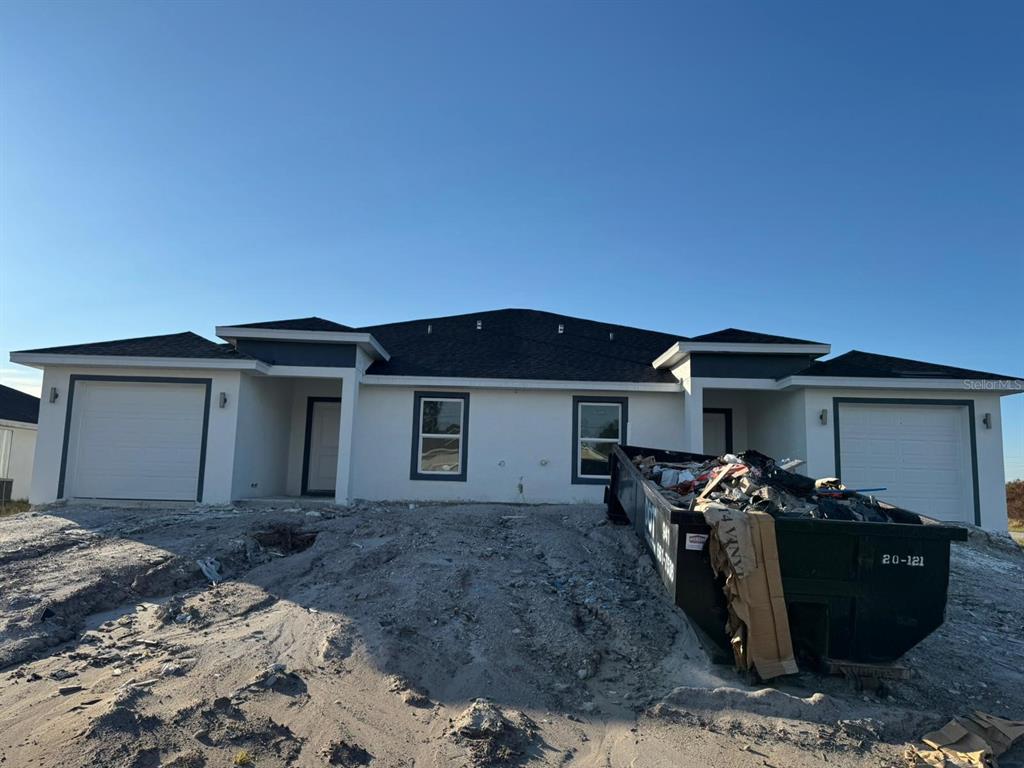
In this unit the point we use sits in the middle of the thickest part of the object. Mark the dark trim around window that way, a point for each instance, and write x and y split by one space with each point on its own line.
623 403
414 465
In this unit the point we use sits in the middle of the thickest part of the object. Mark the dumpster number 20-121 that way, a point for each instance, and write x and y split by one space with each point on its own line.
912 560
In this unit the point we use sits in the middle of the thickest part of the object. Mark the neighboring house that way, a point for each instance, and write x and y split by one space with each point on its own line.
19 413
511 405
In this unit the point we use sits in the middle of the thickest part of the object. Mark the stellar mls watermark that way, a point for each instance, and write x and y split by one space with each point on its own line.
1004 385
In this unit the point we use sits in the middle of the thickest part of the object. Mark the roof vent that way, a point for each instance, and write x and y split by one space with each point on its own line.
430 328
479 324
561 328
611 335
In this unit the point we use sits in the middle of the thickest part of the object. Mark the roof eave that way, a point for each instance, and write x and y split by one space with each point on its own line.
999 387
7 421
365 341
683 349
670 358
41 360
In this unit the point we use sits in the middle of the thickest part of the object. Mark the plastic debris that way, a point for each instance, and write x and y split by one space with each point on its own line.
210 568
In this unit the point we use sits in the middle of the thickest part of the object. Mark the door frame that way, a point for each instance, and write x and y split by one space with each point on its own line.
74 378
310 404
969 404
727 412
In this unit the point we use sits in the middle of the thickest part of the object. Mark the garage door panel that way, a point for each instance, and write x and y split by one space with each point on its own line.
855 476
930 450
870 451
919 453
136 440
940 480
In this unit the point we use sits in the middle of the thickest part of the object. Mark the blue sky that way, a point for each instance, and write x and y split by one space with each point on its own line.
847 172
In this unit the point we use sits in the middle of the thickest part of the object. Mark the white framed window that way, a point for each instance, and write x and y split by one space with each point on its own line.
6 444
440 436
598 425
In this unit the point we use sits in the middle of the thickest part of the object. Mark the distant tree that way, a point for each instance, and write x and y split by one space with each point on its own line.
1015 499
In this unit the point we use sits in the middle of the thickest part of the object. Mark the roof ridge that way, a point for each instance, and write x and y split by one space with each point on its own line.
554 343
518 309
753 337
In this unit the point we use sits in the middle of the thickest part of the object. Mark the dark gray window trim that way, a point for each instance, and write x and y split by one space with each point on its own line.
310 403
623 403
414 466
76 377
837 401
727 412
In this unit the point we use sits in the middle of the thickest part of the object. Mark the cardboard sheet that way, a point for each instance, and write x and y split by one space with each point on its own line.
745 551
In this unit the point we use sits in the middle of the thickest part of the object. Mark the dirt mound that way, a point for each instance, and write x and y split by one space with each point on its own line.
440 635
346 755
492 736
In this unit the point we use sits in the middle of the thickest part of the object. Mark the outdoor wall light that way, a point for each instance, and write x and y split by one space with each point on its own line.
54 394
987 420
223 399
823 416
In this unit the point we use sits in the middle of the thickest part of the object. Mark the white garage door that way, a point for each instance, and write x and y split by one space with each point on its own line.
920 453
132 440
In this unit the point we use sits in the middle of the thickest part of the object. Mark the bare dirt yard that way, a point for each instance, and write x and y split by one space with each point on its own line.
433 635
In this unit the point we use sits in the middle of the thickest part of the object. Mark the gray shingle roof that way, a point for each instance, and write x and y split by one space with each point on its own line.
18 406
521 344
512 343
859 364
739 336
185 344
298 324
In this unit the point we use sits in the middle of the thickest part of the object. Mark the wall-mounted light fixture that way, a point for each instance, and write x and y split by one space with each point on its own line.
823 416
223 399
987 420
54 394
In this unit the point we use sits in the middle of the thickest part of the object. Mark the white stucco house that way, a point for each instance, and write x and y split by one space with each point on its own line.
511 405
18 415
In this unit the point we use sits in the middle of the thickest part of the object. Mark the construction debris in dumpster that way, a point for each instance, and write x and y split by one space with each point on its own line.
753 481
740 497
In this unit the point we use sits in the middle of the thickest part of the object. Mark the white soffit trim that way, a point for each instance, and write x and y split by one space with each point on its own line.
447 381
716 383
683 349
365 341
18 424
41 360
313 372
670 357
968 386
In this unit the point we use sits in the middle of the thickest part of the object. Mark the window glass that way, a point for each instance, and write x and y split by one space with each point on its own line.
439 454
599 428
6 440
599 420
441 417
439 446
594 457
